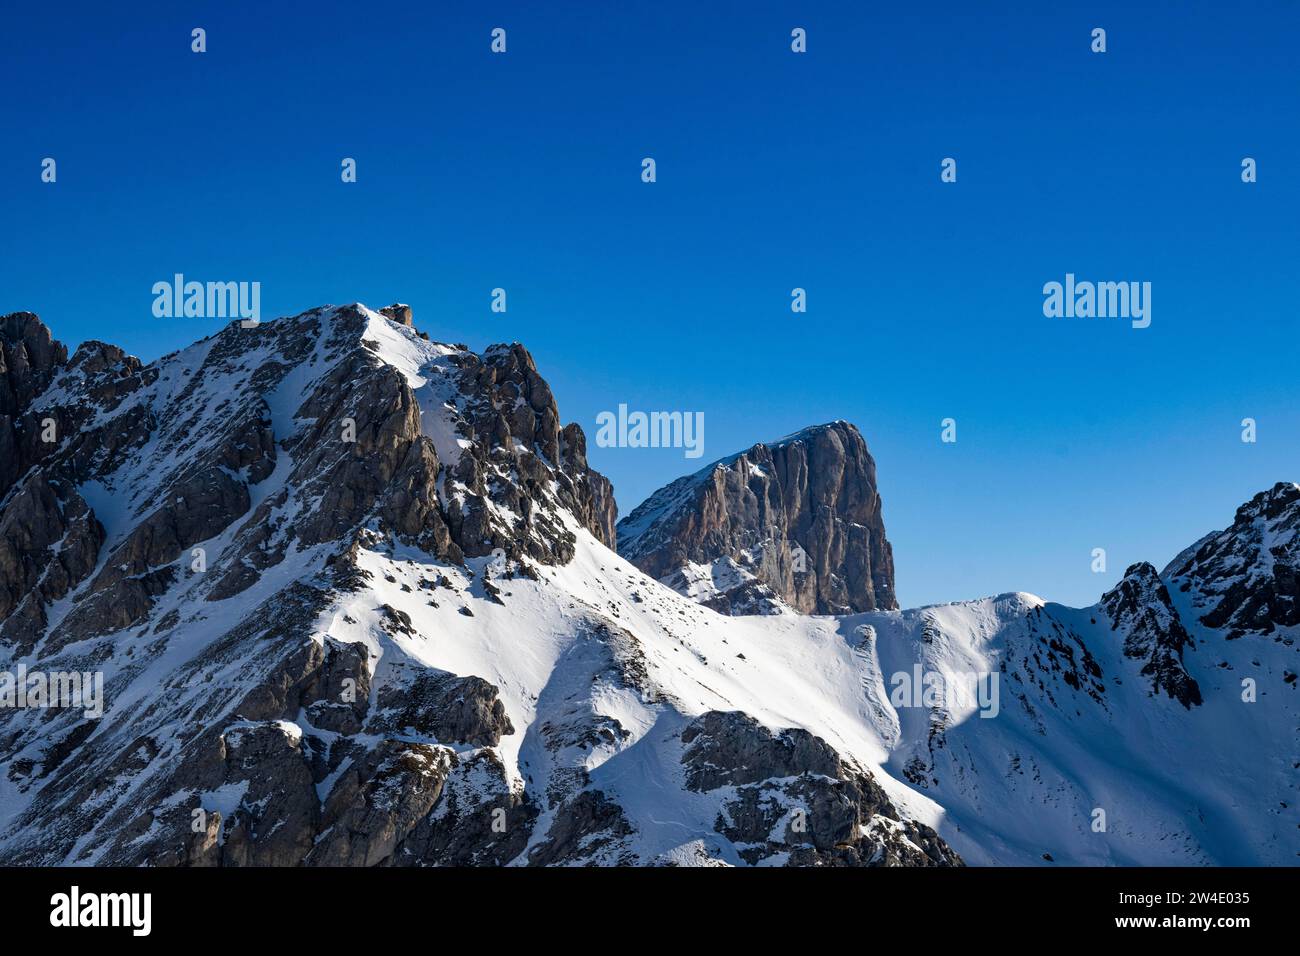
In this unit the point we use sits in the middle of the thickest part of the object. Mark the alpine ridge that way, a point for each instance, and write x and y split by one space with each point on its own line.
355 601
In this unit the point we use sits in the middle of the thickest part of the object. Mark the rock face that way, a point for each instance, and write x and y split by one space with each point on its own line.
790 795
399 313
605 509
1246 578
1139 607
1241 582
29 357
795 522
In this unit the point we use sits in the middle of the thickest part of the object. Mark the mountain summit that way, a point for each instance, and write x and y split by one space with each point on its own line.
792 523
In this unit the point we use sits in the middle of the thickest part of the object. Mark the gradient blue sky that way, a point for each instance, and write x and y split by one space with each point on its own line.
775 170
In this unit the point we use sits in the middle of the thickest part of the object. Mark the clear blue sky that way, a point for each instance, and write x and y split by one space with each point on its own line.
775 170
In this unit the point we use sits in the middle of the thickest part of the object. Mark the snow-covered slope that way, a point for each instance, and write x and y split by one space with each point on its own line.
414 647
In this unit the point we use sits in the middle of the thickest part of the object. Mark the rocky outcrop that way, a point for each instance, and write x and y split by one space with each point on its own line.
513 426
378 802
29 359
462 710
274 823
605 510
399 313
49 536
49 543
328 682
731 748
796 521
588 823
1139 608
1246 578
794 799
479 820
48 404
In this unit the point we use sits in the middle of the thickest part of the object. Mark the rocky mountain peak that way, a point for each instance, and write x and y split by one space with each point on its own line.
399 313
1246 578
29 357
1141 611
795 522
361 422
1281 499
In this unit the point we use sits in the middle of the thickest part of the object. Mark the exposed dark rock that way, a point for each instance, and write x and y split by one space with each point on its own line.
1247 577
375 805
329 681
49 543
604 509
450 709
411 505
511 418
586 825
480 820
1139 608
276 821
399 313
29 359
729 748
800 518
794 794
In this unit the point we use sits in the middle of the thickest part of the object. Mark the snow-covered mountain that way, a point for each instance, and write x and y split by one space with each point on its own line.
351 594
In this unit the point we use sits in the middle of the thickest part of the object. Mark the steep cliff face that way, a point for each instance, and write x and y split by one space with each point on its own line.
1139 608
29 357
605 510
796 522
